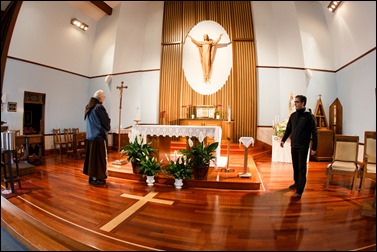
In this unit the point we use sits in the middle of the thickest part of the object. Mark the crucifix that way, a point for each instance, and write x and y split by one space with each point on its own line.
142 200
121 87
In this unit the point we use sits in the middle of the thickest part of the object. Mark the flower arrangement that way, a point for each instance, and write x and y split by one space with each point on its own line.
199 158
280 127
178 167
136 151
149 166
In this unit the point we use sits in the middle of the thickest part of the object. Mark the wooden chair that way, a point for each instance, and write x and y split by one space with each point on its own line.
20 147
79 144
369 158
69 139
75 130
344 161
59 143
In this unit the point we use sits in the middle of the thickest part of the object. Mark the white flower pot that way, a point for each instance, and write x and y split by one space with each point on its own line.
178 183
150 180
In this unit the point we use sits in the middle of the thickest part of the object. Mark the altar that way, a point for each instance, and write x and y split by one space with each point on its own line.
280 154
164 131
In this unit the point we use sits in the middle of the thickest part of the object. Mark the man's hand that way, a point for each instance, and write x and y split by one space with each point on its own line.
282 144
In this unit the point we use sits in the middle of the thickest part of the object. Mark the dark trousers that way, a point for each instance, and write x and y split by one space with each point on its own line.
299 157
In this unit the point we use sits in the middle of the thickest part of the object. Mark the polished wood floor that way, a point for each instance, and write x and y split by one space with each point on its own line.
67 213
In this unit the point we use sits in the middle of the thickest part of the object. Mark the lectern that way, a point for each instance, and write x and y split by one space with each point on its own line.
246 141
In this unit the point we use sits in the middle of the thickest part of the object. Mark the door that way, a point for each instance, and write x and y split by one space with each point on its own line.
34 116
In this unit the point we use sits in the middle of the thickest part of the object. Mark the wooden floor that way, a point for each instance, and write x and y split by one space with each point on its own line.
67 213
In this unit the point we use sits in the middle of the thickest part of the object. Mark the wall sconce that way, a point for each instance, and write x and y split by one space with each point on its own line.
333 5
79 24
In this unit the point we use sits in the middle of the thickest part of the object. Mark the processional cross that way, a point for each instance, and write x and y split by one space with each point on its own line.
121 87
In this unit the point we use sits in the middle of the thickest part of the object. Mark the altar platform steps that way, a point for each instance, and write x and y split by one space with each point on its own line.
222 177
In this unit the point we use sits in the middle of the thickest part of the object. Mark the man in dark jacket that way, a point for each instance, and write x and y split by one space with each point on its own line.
301 128
97 128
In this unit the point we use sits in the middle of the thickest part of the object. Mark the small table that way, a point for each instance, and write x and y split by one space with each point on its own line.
246 141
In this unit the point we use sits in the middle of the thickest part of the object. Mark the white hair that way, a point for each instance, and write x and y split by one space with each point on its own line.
98 93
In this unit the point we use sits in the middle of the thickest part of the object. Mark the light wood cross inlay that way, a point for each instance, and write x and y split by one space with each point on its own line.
125 214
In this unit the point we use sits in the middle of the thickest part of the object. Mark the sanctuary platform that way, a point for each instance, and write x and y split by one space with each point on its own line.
220 178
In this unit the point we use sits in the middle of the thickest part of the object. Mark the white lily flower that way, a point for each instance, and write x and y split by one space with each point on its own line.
201 136
190 142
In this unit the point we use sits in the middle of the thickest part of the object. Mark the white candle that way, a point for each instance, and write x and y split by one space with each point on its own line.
137 113
229 114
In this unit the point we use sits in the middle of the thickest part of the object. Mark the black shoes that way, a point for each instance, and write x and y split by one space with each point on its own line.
293 187
297 195
96 181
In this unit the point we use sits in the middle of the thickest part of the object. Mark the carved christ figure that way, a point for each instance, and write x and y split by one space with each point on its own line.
207 53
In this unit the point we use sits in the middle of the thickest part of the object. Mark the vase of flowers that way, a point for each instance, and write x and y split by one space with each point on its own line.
199 157
150 168
280 128
136 151
179 169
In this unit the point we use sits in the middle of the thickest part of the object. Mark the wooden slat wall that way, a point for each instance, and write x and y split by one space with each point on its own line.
239 91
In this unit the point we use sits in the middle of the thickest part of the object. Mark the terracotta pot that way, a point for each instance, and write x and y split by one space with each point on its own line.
200 172
136 168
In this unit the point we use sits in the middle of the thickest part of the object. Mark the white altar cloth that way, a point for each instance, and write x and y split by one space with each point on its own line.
246 141
121 131
199 132
280 154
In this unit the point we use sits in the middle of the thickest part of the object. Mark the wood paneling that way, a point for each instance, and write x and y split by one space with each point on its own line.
239 91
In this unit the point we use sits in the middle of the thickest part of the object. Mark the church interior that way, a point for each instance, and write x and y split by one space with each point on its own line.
181 74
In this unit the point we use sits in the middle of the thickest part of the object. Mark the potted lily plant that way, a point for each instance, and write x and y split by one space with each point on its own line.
149 166
199 158
179 169
136 151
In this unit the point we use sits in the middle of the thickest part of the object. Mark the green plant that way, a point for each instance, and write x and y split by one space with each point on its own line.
149 166
136 151
178 168
201 155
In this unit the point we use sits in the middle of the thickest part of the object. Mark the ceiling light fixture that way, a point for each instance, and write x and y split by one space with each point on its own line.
333 5
79 24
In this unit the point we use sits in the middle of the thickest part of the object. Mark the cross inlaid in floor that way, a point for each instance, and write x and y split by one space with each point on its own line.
125 214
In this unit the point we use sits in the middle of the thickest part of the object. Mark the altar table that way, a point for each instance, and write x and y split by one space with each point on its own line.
190 131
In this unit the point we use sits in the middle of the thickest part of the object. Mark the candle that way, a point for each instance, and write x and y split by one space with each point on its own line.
334 114
137 113
229 114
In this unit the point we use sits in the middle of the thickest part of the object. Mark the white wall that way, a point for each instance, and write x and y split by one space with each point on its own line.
103 53
43 34
327 42
66 95
289 36
353 30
